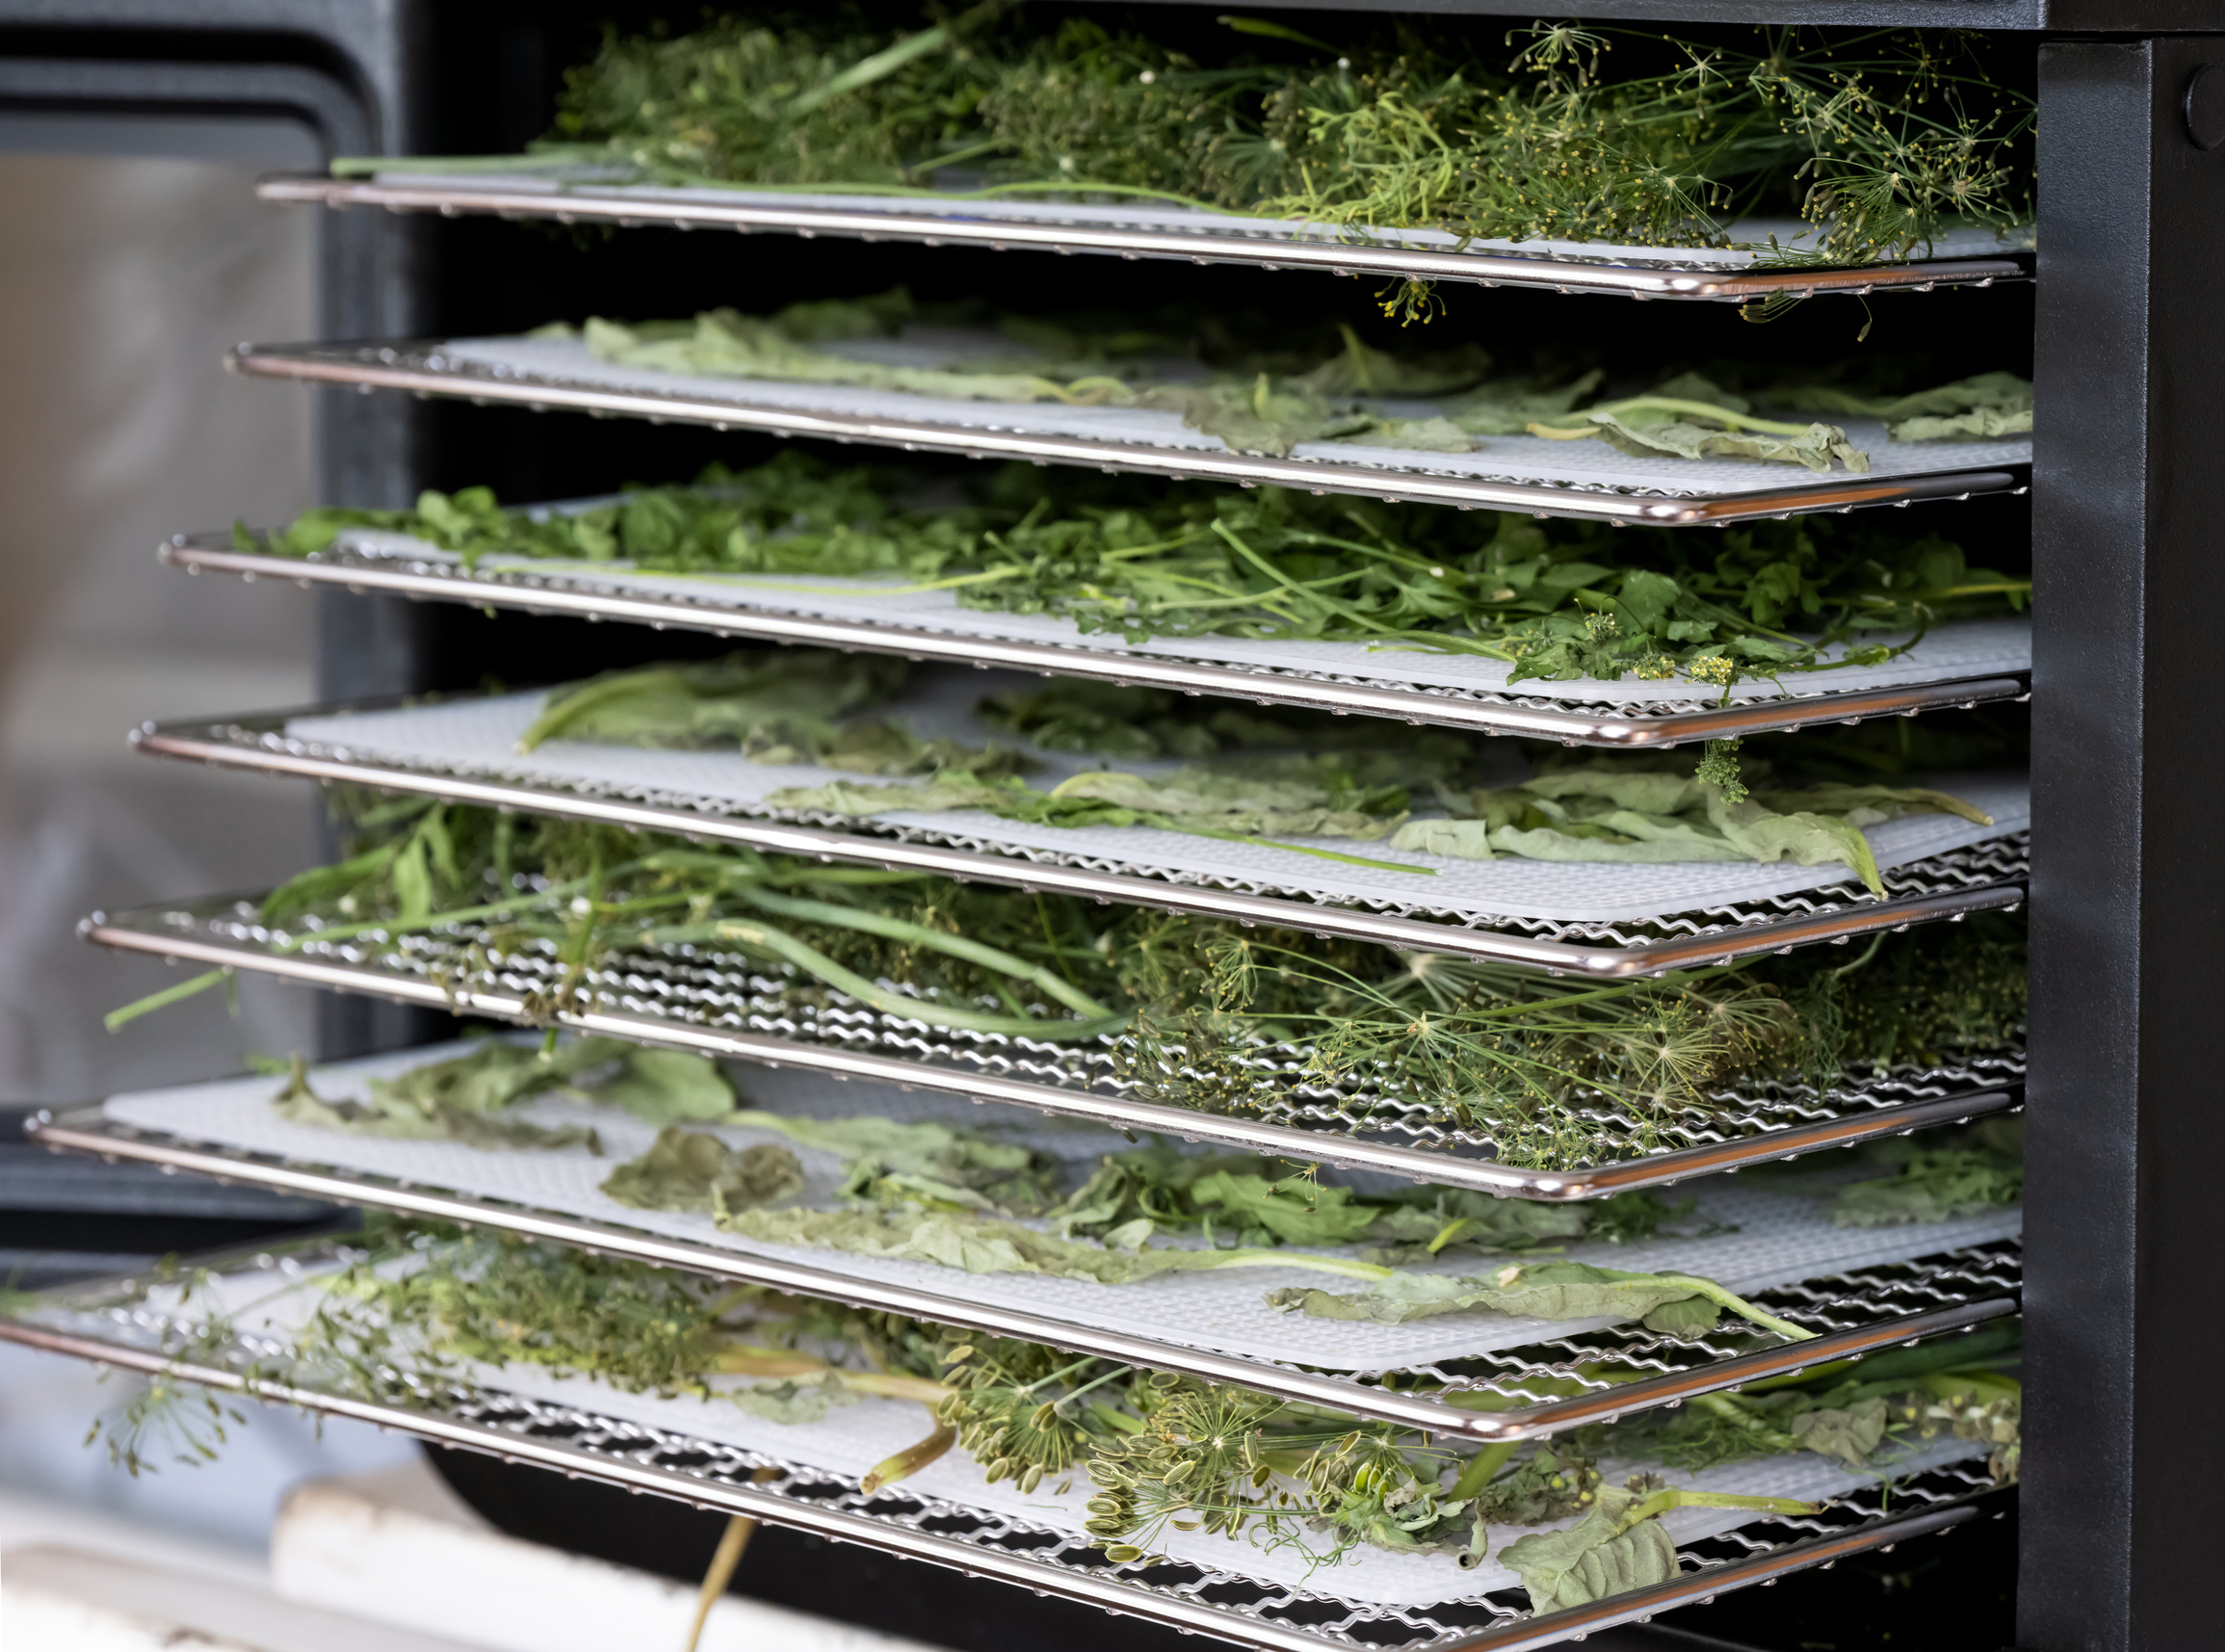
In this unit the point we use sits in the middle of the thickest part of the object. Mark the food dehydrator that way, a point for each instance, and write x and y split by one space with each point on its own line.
2123 305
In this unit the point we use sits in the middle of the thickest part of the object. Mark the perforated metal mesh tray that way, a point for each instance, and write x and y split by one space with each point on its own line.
113 1327
1111 440
724 1005
1269 673
1857 1290
1135 231
460 750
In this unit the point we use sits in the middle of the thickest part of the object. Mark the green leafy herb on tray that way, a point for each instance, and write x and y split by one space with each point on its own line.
468 1098
1628 807
1883 141
1938 1176
1560 601
1190 1011
1254 406
1161 1451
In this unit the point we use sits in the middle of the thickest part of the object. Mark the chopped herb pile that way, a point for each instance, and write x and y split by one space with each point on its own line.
1561 601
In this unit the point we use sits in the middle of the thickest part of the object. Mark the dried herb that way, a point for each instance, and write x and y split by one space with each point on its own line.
693 1170
1883 139
469 1098
1562 601
1674 1304
1197 1012
1162 1451
1630 807
1652 810
1254 408
1941 1177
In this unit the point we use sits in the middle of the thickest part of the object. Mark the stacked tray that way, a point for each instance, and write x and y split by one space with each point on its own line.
726 1007
1735 273
1463 1377
1954 664
1511 473
1856 1290
1590 919
809 1476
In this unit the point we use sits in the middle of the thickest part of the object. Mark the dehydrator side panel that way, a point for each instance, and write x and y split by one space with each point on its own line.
2125 1332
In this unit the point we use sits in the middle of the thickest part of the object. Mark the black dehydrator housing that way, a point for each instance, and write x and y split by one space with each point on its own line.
2125 1310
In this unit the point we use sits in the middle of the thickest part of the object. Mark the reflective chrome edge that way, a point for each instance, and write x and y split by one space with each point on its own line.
85 1130
126 933
196 555
191 742
1095 1589
1200 246
339 364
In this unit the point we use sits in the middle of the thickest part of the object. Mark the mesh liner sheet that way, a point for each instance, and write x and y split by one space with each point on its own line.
1970 648
1780 1237
1526 458
1749 237
851 1438
478 738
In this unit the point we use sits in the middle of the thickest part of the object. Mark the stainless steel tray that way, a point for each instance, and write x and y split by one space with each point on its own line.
428 368
1984 876
730 1011
110 1325
1198 237
1547 711
1858 1311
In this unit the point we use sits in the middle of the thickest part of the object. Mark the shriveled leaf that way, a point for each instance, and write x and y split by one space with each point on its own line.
726 344
1595 1557
794 696
789 1402
985 1244
694 1170
931 1164
1849 1435
1294 1211
1980 424
663 1086
1455 840
1815 446
1937 1184
1542 1290
427 1117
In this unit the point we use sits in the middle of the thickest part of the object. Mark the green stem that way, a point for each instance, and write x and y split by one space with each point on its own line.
1675 1497
867 71
1280 578
1670 405
1479 1470
1724 1298
820 967
1208 1260
115 1019
933 940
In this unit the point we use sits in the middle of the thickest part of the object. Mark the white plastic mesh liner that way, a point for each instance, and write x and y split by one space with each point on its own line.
478 738
1973 648
1525 458
1791 234
1781 1237
851 1439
